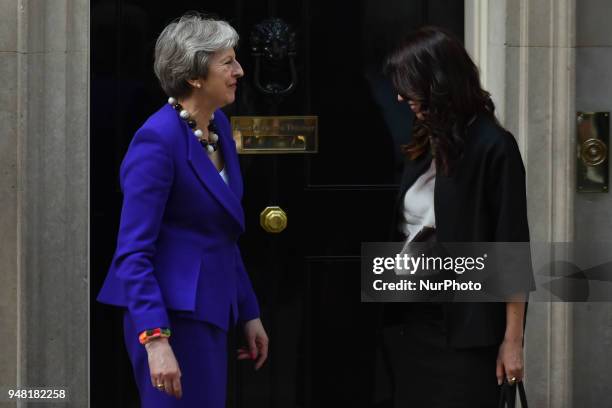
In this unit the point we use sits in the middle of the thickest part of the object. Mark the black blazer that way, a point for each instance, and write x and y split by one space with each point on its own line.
483 200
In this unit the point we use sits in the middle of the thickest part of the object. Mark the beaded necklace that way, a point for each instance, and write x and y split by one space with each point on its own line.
212 143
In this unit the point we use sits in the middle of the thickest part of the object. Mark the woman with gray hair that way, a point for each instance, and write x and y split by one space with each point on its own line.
177 270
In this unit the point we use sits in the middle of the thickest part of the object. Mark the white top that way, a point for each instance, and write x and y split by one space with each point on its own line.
418 209
224 175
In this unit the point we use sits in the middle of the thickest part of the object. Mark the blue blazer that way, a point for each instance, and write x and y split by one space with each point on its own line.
177 243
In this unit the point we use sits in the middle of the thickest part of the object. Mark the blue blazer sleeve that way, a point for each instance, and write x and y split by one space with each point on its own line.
146 179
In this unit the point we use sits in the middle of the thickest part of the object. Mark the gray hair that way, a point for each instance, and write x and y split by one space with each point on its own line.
183 50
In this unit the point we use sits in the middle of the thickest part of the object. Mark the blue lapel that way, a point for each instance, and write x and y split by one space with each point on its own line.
230 157
228 196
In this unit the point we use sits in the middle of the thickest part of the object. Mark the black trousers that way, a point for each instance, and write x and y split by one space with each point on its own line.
427 373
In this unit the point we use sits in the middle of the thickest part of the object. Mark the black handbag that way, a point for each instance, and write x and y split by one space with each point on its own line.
424 243
507 396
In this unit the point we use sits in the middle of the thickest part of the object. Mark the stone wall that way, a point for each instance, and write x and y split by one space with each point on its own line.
526 53
593 213
44 193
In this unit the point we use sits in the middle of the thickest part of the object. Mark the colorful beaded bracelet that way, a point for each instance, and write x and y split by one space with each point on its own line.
148 335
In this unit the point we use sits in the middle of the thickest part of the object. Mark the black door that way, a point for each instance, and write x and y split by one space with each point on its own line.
323 340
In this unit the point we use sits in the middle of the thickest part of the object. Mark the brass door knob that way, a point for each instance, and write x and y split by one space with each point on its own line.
593 152
273 220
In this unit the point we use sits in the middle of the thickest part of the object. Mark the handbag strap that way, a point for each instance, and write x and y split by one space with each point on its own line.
522 395
507 395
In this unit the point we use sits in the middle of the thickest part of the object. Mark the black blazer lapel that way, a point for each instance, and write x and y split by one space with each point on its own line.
412 170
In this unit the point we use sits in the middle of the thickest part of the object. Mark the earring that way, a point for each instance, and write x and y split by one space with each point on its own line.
198 85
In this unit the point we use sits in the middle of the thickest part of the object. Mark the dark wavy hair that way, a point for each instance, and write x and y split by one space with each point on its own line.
431 67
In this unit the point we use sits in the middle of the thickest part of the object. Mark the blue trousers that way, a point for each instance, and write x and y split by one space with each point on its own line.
201 351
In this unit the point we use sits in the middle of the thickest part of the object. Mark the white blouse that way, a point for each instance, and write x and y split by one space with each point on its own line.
418 208
224 175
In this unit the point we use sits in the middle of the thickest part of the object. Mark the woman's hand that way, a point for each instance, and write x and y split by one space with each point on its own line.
257 339
510 360
163 367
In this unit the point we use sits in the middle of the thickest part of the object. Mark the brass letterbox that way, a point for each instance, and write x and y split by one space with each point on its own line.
275 134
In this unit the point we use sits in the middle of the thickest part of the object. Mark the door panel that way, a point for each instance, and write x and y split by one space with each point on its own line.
323 340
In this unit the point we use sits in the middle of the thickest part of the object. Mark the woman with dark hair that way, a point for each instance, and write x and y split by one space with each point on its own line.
463 176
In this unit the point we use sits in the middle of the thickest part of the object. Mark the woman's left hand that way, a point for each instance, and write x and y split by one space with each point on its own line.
510 361
257 339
